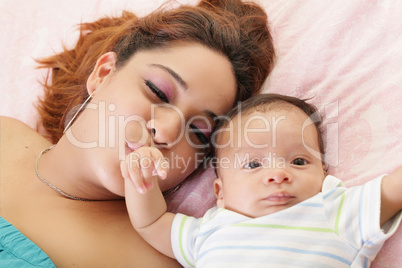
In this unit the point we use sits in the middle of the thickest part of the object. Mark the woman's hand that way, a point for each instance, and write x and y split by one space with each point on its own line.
143 167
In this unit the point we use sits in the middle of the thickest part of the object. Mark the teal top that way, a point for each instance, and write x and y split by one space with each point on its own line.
16 250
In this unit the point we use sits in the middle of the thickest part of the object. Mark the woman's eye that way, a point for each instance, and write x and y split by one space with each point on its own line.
252 165
199 134
159 93
299 162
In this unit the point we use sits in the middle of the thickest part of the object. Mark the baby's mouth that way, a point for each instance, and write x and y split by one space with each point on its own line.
280 197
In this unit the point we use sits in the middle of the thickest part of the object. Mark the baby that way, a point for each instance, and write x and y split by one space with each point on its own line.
275 203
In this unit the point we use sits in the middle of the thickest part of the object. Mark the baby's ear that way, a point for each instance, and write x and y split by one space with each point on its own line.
218 190
324 168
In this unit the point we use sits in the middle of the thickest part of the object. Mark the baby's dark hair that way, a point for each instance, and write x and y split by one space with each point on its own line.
262 103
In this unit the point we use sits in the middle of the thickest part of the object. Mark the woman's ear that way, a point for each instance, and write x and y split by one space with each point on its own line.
218 190
105 64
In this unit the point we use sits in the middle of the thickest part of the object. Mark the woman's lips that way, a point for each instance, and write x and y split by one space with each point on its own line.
132 146
281 197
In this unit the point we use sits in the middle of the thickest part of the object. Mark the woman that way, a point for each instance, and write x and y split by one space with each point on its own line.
160 81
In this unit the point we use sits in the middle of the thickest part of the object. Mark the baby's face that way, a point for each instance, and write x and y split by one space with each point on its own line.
269 161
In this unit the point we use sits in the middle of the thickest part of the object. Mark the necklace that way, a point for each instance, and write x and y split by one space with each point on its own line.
51 185
171 191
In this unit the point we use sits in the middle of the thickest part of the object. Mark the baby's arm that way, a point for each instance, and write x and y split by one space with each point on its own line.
144 199
391 195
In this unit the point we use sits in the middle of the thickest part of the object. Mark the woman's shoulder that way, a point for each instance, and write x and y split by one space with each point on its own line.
9 125
14 127
15 134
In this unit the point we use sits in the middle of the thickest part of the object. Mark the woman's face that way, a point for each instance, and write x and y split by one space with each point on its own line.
166 98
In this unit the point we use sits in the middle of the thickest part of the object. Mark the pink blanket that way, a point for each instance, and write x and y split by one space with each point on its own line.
345 55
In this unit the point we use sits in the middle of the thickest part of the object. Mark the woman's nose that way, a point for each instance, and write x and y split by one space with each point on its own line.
278 175
166 128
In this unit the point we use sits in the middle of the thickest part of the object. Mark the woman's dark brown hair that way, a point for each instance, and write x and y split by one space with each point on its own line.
238 30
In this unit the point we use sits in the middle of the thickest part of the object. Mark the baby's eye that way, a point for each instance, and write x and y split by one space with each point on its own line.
252 165
299 162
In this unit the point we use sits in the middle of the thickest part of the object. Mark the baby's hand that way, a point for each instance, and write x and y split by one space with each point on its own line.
142 165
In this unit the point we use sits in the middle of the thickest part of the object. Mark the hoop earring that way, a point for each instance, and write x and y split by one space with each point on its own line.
78 111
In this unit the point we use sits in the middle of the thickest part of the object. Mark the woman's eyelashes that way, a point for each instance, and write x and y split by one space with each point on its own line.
199 134
158 92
